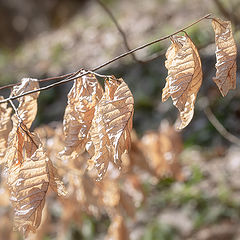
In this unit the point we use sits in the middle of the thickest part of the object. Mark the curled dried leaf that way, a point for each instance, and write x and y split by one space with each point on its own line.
184 77
82 99
5 128
117 230
226 54
162 150
30 173
102 146
111 125
27 108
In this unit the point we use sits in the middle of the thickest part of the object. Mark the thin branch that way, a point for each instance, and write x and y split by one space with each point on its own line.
226 13
121 31
41 80
77 75
219 127
124 36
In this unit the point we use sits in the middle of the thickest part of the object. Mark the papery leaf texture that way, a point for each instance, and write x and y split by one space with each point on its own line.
5 128
27 108
30 174
111 125
117 230
226 54
82 99
184 77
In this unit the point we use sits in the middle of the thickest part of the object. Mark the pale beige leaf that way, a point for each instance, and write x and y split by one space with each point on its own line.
82 99
117 230
127 204
102 146
162 151
184 77
55 183
226 54
111 126
27 108
28 179
110 193
117 110
5 128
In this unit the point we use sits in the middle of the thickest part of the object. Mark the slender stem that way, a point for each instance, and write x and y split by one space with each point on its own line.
119 28
77 75
219 127
41 80
15 110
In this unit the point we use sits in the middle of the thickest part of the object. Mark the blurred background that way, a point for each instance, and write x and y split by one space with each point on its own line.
43 38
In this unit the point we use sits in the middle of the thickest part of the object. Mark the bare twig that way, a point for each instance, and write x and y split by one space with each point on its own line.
124 36
76 75
219 127
226 13
121 31
41 80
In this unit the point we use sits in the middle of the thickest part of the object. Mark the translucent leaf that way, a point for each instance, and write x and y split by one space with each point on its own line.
111 126
27 108
102 146
117 230
29 175
226 54
184 77
117 110
82 99
5 128
162 151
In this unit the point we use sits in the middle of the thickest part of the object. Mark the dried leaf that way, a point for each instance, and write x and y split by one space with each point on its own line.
82 99
226 54
111 125
110 193
184 77
5 128
127 204
28 181
27 108
162 150
117 230
117 110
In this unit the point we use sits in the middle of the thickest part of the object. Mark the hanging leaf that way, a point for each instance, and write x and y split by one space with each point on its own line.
27 108
117 230
117 110
30 172
226 54
102 146
162 151
82 99
29 178
111 126
5 128
184 77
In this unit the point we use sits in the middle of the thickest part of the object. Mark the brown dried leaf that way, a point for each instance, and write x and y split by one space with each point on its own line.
117 230
162 150
27 108
126 203
184 77
28 179
102 146
117 110
111 126
5 128
82 99
226 54
110 192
